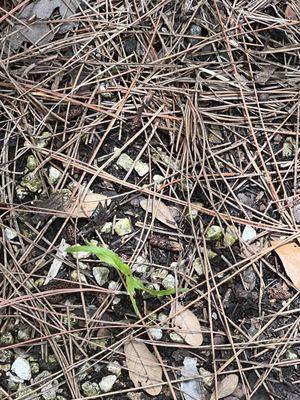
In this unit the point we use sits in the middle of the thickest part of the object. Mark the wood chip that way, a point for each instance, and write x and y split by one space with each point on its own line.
186 324
160 211
226 387
289 254
144 368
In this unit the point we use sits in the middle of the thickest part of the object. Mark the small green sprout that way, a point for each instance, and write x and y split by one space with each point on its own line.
132 283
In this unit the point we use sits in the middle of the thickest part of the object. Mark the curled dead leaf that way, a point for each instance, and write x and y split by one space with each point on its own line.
160 211
186 324
289 255
226 387
143 367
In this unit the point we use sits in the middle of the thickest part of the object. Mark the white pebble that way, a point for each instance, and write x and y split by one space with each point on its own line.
107 382
114 368
156 333
21 368
141 168
125 162
10 233
249 233
54 175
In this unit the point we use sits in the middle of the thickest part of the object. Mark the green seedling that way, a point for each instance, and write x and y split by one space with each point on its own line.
132 283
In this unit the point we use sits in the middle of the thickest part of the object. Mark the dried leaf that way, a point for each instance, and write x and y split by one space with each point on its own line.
289 254
194 388
165 243
38 31
187 325
57 262
143 367
160 211
226 387
291 11
86 207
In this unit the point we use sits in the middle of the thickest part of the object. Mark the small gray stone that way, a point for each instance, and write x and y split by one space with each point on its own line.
123 227
35 368
24 334
107 382
141 168
169 282
230 237
43 140
249 233
31 163
21 368
21 192
4 367
288 147
107 227
156 333
158 274
176 338
50 389
10 233
101 275
5 356
54 175
140 266
83 371
195 30
114 368
125 162
90 389
215 232
198 267
32 182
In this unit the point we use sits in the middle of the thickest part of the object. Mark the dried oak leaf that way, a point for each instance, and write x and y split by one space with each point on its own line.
160 211
143 367
289 254
186 324
226 387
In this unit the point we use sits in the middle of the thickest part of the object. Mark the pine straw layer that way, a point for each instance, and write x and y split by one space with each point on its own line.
206 93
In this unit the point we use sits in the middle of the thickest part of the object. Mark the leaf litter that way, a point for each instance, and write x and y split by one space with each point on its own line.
143 367
186 324
221 131
289 254
192 389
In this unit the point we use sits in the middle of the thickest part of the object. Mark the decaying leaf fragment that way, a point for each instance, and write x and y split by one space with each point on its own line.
226 387
143 367
193 388
34 17
289 254
84 208
186 324
160 211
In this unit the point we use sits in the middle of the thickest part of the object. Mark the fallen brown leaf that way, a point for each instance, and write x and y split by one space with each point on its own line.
143 367
84 208
291 11
187 324
160 211
226 387
289 254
